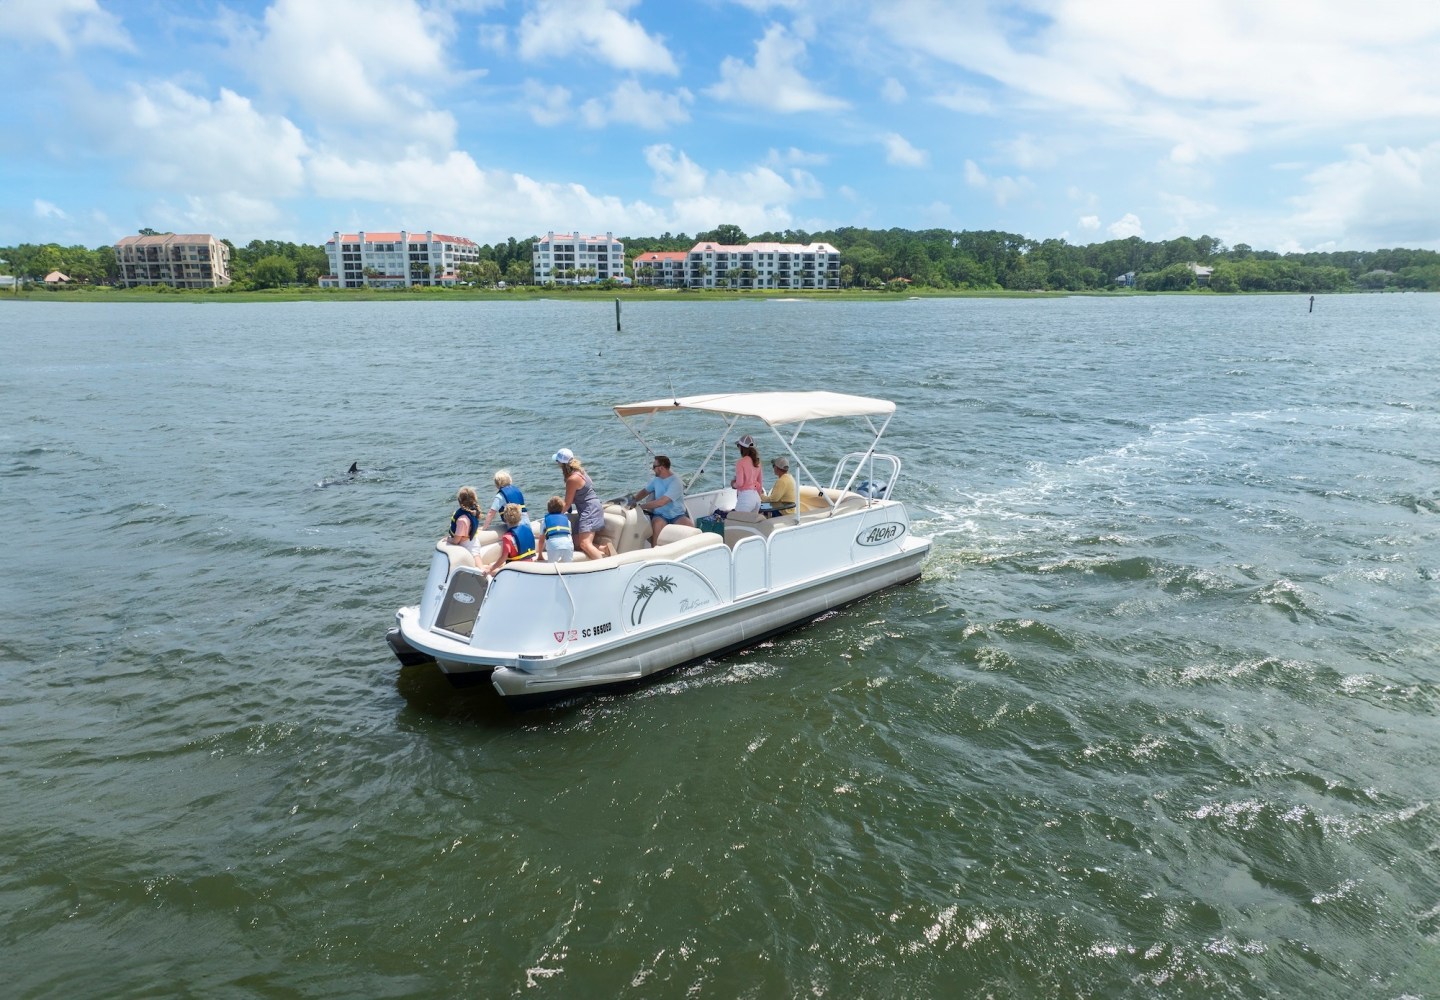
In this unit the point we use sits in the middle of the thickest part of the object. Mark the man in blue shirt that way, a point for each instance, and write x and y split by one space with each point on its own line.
666 503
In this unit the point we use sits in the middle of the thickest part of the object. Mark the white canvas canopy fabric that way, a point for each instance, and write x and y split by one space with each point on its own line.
772 407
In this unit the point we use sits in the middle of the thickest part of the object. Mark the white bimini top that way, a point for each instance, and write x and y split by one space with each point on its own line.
772 407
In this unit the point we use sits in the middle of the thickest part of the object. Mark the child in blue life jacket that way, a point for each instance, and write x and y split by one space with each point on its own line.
507 492
518 542
556 542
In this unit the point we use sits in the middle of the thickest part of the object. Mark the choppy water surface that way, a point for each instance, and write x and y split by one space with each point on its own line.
1160 719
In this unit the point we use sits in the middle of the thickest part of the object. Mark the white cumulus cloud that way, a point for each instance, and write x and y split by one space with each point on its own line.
774 81
1126 226
1002 189
1373 198
365 77
756 199
596 29
900 153
226 213
631 104
454 193
66 24
180 140
1220 83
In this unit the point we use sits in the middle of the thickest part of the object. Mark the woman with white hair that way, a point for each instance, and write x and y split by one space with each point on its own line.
783 497
506 492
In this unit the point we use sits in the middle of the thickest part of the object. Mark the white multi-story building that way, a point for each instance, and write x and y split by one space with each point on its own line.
572 259
661 268
763 265
195 260
396 260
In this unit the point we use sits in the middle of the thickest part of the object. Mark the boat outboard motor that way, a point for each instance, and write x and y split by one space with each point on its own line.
875 489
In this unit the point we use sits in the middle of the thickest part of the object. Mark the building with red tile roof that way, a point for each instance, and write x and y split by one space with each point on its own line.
396 259
660 268
798 266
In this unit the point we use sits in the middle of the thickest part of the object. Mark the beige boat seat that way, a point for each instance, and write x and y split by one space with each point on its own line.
459 556
668 550
812 500
675 532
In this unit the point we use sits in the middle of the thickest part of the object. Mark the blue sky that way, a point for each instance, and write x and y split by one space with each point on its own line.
1285 124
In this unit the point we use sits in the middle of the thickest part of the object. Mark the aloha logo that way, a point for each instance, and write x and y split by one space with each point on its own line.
880 534
645 591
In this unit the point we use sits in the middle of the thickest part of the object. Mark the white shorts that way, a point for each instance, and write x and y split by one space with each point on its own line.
561 548
747 500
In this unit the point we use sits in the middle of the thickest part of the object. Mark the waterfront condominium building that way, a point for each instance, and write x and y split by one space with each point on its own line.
195 260
396 260
812 266
660 268
572 259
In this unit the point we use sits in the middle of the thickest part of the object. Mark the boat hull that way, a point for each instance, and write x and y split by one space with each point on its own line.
407 654
672 651
684 638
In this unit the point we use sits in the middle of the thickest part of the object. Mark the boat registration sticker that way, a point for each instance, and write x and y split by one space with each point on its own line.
561 635
879 534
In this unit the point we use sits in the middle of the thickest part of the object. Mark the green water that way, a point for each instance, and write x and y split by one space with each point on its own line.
1159 720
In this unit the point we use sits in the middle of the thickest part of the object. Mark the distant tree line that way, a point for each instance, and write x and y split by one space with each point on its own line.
878 259
991 260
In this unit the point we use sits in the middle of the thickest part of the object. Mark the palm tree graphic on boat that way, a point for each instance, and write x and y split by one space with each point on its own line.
645 591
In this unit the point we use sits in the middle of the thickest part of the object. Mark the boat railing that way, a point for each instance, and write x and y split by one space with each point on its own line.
873 475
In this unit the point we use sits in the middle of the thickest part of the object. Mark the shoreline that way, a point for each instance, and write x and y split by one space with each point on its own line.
533 293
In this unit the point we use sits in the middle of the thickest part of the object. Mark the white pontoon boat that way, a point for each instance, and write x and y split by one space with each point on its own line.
541 629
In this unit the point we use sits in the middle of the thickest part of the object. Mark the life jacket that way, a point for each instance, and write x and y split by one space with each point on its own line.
512 494
474 522
524 540
557 525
